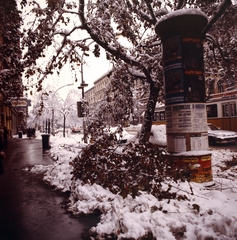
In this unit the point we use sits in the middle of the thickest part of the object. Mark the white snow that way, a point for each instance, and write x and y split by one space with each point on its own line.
181 12
234 2
209 212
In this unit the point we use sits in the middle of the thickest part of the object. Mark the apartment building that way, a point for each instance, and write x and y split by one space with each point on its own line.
11 116
96 94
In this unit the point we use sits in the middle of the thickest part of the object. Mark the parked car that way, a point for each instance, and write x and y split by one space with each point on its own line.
216 135
76 130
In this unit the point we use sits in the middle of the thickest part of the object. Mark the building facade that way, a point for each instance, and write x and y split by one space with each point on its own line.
10 68
95 95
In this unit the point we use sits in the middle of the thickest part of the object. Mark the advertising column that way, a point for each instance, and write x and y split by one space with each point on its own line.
186 118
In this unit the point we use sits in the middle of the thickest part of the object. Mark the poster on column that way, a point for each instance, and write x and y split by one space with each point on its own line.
194 89
199 117
174 86
179 143
179 118
173 70
194 83
172 52
185 118
192 52
199 141
176 143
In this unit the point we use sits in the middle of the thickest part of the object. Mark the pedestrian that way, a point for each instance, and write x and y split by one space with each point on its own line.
5 136
29 132
33 132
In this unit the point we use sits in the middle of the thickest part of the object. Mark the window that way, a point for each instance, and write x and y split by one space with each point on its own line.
233 109
156 116
229 109
159 116
162 116
212 110
220 87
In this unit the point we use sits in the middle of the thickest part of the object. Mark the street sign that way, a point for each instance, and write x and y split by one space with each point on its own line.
20 102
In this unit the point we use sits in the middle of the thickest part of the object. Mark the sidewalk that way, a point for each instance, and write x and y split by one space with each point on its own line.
29 208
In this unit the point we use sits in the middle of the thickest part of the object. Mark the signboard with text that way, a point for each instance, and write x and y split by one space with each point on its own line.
190 117
183 70
20 102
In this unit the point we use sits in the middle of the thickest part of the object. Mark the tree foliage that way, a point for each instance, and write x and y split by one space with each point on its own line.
125 29
220 50
10 52
137 168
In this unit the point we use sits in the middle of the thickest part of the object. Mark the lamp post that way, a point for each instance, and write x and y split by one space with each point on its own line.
82 86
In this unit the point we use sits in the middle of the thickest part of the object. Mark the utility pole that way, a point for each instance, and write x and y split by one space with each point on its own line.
84 108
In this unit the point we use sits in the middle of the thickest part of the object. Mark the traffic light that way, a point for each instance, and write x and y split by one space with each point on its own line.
82 109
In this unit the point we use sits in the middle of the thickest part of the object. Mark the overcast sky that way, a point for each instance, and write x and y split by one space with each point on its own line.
93 69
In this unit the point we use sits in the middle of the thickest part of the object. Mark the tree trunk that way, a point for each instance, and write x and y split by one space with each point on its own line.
64 125
149 113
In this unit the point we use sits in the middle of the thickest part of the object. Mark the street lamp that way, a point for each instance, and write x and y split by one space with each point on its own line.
82 86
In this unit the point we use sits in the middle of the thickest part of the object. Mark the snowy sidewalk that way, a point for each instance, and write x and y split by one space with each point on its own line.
29 208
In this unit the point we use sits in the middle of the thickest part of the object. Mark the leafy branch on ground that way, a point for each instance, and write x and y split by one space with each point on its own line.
231 163
127 169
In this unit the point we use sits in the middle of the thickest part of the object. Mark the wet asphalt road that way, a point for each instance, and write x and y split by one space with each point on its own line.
29 208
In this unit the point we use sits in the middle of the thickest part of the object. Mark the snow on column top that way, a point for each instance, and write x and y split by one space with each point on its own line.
189 11
182 20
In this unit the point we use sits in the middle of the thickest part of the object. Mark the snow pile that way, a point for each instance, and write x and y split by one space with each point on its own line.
202 212
158 135
124 134
208 214
63 150
234 2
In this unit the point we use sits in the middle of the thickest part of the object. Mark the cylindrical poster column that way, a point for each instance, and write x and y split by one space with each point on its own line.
186 118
